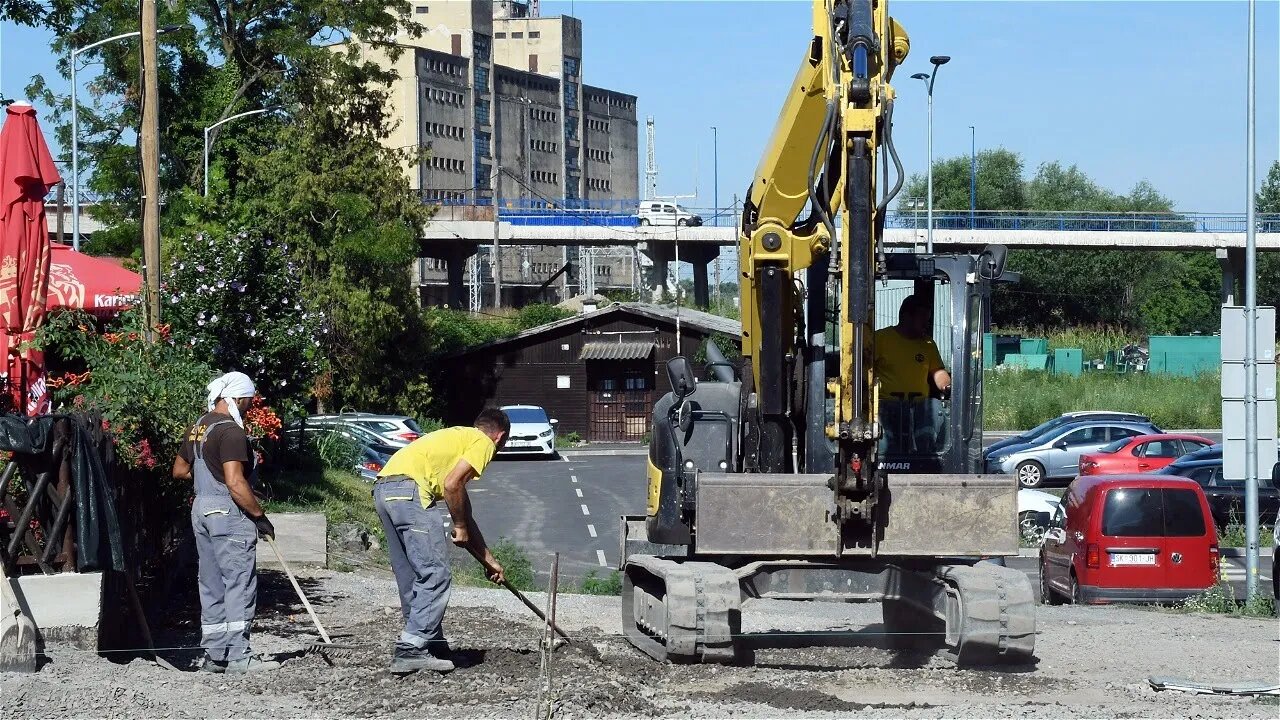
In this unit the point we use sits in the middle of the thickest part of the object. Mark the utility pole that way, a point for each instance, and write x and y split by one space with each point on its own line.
973 175
149 142
675 241
496 261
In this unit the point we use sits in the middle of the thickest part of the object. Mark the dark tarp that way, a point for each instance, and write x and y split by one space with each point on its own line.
96 519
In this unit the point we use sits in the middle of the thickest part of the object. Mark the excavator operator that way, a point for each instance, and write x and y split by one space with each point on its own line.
911 372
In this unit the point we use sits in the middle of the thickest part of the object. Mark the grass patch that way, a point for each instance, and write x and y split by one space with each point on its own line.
340 494
593 584
1023 399
515 563
1221 600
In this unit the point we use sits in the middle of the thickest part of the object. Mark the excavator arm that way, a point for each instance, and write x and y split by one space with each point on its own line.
814 200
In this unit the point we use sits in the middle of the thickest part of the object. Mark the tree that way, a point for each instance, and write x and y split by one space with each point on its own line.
999 181
314 176
1268 202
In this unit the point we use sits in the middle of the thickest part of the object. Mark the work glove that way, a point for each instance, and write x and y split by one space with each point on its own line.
265 528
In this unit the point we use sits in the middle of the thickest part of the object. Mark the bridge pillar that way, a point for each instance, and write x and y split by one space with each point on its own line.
455 256
701 258
1232 262
655 277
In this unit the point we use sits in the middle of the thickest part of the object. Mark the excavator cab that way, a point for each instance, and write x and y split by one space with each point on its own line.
940 431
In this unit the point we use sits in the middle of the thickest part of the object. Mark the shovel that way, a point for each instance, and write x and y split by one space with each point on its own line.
17 632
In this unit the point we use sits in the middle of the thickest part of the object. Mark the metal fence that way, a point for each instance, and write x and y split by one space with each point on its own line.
622 213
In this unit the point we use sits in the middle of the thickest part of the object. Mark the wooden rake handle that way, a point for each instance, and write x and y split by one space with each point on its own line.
298 589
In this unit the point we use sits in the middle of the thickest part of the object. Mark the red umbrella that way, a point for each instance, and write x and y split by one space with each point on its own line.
83 282
27 173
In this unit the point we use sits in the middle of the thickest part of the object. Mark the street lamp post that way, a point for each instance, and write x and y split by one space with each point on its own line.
75 127
928 79
715 171
213 127
973 175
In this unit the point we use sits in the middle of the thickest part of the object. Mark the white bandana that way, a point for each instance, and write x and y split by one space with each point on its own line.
229 387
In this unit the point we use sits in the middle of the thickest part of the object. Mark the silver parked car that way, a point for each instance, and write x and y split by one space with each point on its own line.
1056 454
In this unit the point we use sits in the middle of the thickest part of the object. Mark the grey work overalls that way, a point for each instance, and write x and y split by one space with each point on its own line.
418 548
226 541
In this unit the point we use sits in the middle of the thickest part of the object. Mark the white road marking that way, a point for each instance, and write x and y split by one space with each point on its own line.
600 556
585 511
573 478
564 458
579 491
591 529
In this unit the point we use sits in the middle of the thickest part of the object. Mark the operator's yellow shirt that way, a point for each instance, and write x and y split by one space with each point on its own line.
904 365
430 458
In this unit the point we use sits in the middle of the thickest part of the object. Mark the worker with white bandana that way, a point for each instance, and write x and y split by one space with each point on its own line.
227 521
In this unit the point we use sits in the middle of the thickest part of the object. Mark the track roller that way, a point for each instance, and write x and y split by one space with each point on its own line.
991 614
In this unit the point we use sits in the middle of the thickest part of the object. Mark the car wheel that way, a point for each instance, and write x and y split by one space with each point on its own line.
682 222
1029 528
1047 595
1030 474
644 222
1075 590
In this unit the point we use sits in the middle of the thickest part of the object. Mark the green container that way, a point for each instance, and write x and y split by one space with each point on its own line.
996 347
1028 361
1068 361
1034 346
1185 355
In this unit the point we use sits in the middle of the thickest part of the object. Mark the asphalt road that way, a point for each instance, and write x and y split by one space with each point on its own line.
572 506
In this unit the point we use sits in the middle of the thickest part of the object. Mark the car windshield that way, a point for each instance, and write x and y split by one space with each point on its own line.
1044 427
1114 447
526 415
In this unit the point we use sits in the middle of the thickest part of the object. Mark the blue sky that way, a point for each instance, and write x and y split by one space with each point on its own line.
1127 90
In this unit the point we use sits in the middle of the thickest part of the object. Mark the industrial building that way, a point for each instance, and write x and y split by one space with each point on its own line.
495 93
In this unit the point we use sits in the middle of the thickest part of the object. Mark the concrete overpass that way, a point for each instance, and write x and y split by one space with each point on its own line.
456 240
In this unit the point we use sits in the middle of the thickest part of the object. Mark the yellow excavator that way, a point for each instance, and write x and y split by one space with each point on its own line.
790 475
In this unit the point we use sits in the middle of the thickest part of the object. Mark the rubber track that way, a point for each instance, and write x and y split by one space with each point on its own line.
700 601
997 614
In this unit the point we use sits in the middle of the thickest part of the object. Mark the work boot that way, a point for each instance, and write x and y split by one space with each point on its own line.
212 666
410 659
250 665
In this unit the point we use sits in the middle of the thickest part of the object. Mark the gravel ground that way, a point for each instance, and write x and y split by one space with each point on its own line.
1092 662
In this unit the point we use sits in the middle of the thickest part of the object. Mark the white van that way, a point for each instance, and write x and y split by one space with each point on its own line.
654 212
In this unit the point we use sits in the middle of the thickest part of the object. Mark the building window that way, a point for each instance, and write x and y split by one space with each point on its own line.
482 76
571 66
482 175
421 9
534 35
482 112
482 144
500 36
517 36
480 47
570 95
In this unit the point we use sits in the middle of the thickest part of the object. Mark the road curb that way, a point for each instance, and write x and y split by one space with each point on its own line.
605 453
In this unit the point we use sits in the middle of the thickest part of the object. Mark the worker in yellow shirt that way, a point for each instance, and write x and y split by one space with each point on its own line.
411 495
910 371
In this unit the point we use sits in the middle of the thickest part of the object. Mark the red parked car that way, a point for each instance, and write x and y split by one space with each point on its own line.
1140 454
1129 538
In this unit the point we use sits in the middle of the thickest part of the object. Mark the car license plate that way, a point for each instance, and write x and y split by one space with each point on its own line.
1133 559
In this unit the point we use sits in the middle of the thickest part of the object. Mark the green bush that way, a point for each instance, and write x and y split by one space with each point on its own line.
568 440
1233 535
1016 399
531 316
611 584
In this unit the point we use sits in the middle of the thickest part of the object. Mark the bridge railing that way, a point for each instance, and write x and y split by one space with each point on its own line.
622 213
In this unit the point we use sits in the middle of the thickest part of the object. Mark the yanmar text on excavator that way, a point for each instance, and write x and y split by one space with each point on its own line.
794 475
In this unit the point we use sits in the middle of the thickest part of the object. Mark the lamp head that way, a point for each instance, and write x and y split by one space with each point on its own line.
940 60
920 76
